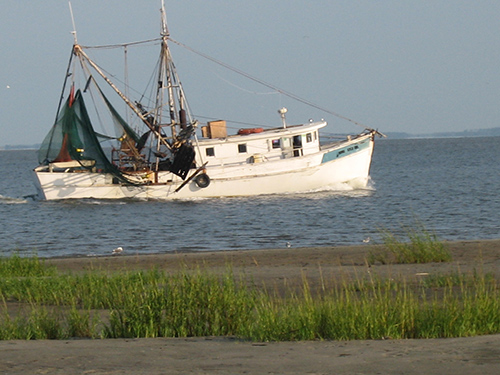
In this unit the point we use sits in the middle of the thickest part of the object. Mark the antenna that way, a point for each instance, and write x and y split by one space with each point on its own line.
282 112
73 21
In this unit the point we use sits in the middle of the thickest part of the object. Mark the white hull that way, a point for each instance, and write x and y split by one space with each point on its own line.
314 171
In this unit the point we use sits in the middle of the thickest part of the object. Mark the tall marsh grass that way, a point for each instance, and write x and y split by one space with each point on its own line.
49 305
16 265
417 245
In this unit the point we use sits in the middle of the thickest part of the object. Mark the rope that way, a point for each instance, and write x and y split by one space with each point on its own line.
281 91
274 92
242 73
122 45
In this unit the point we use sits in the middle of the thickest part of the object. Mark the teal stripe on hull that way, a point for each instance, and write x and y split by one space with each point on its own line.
345 151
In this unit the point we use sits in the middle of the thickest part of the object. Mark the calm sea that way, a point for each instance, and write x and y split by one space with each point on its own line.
450 185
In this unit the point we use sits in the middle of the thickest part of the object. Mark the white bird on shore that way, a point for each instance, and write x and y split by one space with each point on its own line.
117 251
288 244
367 239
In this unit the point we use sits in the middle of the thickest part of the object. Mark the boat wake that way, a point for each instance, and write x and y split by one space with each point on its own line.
105 202
11 200
361 186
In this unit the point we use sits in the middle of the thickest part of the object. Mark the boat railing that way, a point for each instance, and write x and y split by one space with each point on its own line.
345 139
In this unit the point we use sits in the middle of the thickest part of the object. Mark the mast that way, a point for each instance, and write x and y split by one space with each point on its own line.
73 21
181 123
166 71
182 151
163 73
68 74
165 61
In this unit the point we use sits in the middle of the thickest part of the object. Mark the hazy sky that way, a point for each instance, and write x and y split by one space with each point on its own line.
412 66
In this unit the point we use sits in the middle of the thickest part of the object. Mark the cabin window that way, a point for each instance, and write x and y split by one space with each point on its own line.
210 151
297 141
309 137
242 148
276 143
315 136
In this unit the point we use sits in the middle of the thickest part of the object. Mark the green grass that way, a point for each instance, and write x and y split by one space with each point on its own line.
417 245
16 265
49 305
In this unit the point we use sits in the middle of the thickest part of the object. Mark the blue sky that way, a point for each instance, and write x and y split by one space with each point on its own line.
410 66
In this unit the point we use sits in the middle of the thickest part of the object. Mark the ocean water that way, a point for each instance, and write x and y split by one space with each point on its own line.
450 186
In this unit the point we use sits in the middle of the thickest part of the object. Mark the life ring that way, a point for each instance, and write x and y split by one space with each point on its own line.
250 131
202 180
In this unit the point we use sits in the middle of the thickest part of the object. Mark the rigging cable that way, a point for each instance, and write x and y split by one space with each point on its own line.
290 95
122 44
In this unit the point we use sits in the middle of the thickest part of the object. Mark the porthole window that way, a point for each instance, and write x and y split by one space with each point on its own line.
242 148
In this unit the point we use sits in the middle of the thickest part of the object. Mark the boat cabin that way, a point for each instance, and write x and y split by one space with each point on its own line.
257 145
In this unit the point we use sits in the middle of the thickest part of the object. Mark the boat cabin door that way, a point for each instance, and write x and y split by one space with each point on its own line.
297 145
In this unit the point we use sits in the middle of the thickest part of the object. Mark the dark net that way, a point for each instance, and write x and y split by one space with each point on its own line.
73 138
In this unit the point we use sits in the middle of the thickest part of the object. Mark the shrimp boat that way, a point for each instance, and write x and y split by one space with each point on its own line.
167 154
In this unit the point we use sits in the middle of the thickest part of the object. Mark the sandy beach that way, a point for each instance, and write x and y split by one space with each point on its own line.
274 268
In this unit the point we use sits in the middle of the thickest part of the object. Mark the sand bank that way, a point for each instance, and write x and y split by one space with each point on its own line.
272 267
